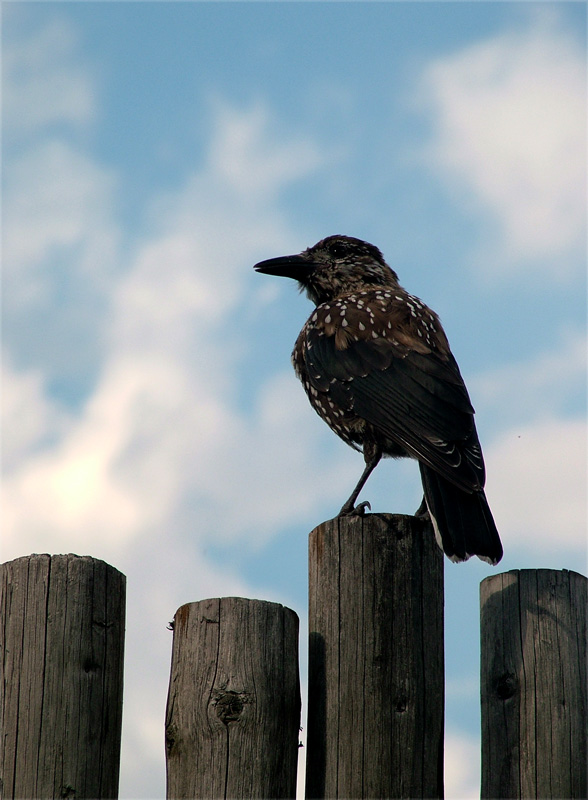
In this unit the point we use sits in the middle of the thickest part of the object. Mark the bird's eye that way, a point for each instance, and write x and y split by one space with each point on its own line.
337 250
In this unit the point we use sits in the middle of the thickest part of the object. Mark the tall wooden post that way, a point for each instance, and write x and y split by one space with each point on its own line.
533 684
62 640
376 671
233 709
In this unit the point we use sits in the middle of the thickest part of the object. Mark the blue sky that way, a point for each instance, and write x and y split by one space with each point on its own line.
152 153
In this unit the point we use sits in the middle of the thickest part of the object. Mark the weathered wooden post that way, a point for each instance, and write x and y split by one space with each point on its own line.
533 684
62 641
376 671
233 709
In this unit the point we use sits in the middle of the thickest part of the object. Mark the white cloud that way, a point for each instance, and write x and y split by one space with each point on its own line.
510 120
39 86
536 462
152 445
253 163
29 419
57 208
61 238
537 387
462 767
161 434
537 485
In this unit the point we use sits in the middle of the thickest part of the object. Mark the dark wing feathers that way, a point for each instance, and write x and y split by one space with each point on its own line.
416 420
416 399
442 378
332 364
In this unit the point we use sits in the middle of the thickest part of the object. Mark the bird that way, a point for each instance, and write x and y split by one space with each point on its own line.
377 367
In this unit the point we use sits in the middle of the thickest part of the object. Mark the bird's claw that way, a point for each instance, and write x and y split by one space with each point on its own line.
357 511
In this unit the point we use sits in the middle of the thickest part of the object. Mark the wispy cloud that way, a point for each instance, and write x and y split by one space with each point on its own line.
462 766
40 89
537 486
509 117
160 432
30 419
162 414
551 384
536 457
58 210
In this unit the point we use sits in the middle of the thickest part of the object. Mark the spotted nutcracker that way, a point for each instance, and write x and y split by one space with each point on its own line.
377 368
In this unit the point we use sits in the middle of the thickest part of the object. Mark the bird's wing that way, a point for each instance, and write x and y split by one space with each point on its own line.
408 389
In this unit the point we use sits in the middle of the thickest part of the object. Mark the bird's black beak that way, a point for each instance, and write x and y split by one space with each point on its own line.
296 267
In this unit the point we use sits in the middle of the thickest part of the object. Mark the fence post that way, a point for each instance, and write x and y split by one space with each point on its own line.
376 670
233 708
533 684
62 640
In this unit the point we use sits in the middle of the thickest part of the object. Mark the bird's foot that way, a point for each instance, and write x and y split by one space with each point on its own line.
357 511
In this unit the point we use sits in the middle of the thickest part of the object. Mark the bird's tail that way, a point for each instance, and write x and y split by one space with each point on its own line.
463 522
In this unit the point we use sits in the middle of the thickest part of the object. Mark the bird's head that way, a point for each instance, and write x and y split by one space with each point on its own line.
332 267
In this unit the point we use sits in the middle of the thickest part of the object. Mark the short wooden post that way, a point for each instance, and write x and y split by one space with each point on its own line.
533 684
376 671
62 641
233 709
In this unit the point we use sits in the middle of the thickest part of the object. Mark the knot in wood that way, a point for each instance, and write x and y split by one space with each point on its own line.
229 705
91 666
401 703
506 685
170 737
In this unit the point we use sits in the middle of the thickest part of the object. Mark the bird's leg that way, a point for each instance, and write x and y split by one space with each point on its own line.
373 456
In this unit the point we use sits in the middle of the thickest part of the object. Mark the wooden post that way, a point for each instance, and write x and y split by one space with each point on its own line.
62 640
533 684
376 671
233 708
